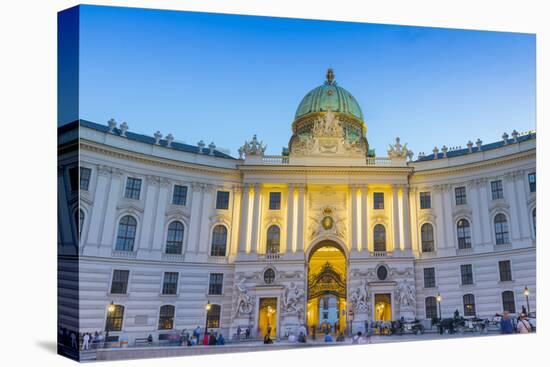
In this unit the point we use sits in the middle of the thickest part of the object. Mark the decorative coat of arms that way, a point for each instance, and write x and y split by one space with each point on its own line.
327 222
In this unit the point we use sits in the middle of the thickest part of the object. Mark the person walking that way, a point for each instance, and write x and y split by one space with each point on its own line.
524 327
269 330
247 333
506 326
221 340
239 333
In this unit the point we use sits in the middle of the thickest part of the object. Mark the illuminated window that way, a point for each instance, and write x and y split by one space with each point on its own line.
213 316
469 305
114 318
166 317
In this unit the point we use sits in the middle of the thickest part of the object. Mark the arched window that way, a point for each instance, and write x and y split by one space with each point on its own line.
431 307
427 236
269 276
213 316
379 238
534 215
166 317
469 304
464 234
501 229
126 233
174 239
508 302
115 315
219 241
273 240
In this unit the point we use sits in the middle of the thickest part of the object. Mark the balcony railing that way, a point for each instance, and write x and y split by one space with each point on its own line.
381 253
124 254
379 161
274 159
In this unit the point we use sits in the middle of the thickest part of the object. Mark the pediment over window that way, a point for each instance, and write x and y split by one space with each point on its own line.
178 213
130 208
498 205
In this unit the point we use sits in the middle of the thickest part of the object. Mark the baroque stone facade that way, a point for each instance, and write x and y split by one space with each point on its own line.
236 231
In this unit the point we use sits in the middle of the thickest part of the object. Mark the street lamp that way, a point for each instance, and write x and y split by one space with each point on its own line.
526 294
438 298
207 308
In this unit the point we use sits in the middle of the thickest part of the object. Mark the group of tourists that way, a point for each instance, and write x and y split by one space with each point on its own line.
208 338
80 341
511 325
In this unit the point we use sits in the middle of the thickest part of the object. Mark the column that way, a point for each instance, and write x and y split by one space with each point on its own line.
448 216
439 220
100 199
510 197
473 201
364 219
109 216
395 216
300 219
243 226
255 218
523 210
195 220
353 197
406 220
235 242
289 245
160 214
413 195
486 225
146 233
206 212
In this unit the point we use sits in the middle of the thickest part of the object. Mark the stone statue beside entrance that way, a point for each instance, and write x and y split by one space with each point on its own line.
292 299
245 301
405 299
359 298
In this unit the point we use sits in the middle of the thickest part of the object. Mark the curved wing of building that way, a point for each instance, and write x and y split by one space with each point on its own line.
327 235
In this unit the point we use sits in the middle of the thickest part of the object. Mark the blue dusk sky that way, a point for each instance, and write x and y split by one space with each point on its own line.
223 78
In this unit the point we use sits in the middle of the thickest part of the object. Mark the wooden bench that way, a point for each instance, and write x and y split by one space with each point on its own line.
141 341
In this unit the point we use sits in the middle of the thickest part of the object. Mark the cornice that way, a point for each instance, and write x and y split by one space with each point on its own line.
157 161
332 170
467 167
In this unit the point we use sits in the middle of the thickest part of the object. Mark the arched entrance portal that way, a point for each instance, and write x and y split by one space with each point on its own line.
326 296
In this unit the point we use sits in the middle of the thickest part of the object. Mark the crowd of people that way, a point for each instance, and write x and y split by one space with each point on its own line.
511 325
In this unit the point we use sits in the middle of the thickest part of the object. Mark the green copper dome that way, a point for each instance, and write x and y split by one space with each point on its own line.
329 96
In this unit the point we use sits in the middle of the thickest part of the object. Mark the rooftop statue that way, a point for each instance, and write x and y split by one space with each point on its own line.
253 147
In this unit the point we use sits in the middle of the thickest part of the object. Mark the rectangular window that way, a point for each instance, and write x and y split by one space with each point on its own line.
85 174
180 195
378 200
469 305
213 316
496 190
216 284
505 270
431 307
466 274
425 200
119 285
274 200
133 187
460 195
429 277
532 177
170 283
508 302
222 200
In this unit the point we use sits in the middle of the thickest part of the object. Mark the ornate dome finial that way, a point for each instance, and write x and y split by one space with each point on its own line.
330 76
